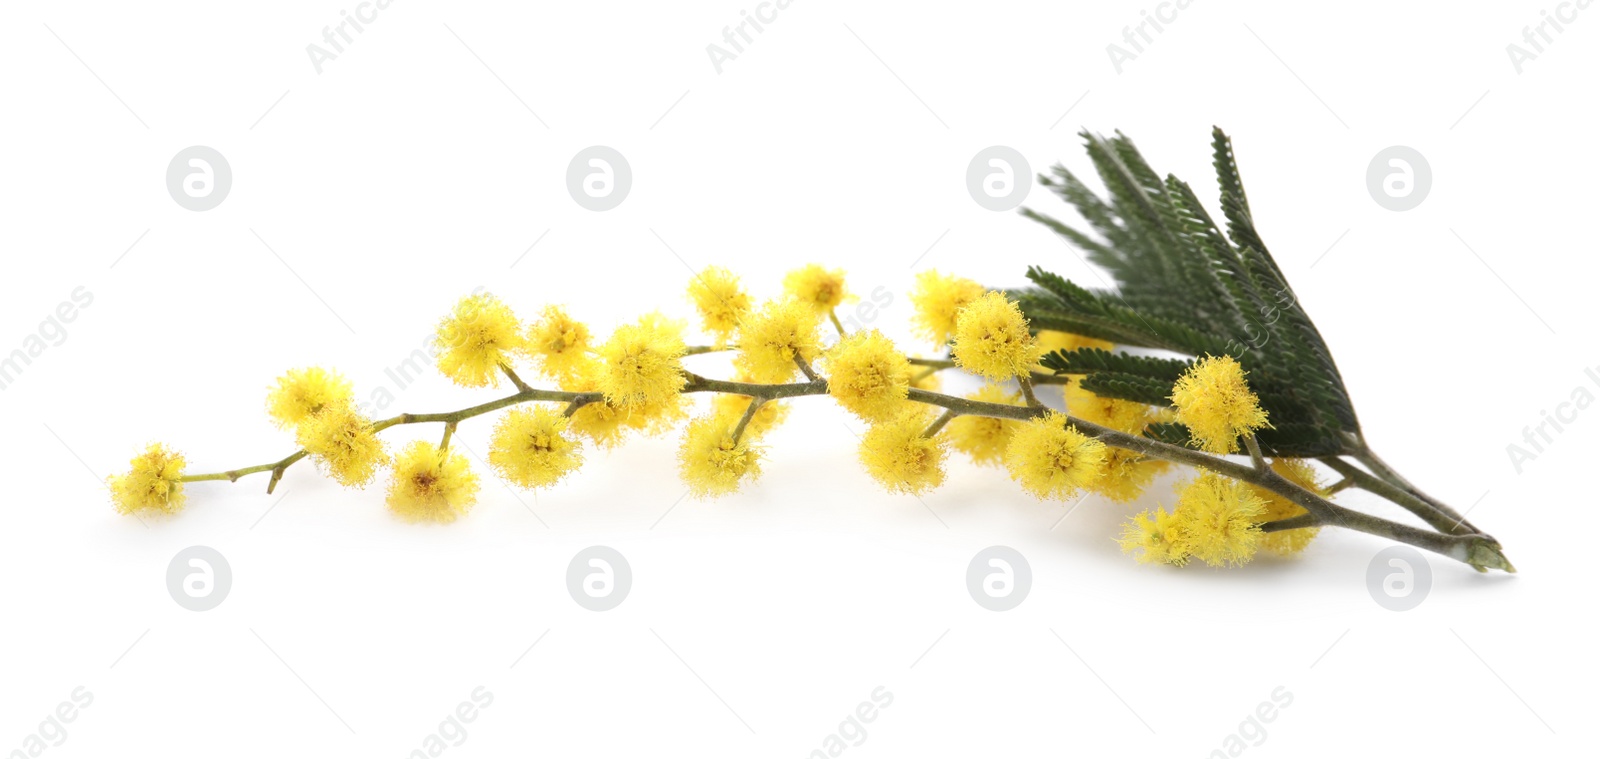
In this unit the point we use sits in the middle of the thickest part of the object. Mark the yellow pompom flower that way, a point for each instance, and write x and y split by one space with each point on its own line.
1214 402
601 422
643 364
431 485
771 339
992 339
1051 341
984 438
342 442
867 375
530 447
1052 459
1218 520
656 418
480 335
820 289
559 343
721 301
711 462
938 299
1128 474
301 393
1123 416
1288 542
606 423
153 483
768 417
1152 537
897 455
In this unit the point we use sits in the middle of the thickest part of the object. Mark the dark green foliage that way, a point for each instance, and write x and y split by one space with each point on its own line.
1183 285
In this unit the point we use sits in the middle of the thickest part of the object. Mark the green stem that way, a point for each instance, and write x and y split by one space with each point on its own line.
449 429
1027 392
1480 551
1366 456
1254 446
805 367
938 424
1405 499
515 380
744 421
836 325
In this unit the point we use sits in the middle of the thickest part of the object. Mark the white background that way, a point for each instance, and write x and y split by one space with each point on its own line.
409 172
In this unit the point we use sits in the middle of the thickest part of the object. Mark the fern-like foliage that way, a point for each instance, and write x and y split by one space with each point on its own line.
1183 285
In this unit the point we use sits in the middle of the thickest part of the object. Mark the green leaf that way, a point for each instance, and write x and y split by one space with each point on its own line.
1185 285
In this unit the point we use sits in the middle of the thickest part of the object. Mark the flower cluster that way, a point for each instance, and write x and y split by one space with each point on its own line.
319 405
635 381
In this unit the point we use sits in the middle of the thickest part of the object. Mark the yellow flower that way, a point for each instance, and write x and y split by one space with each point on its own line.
867 375
341 440
721 301
1218 520
153 483
820 289
607 423
711 462
301 393
1123 416
531 448
768 417
1127 474
1288 542
897 455
643 364
984 438
431 485
1215 403
992 339
559 343
938 299
602 423
1152 538
1052 459
771 339
1051 341
480 335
